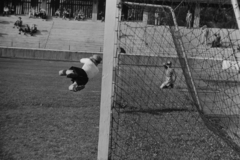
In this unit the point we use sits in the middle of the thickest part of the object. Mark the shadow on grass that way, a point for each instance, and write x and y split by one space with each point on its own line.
5 22
2 34
34 34
229 82
44 30
37 33
157 111
49 18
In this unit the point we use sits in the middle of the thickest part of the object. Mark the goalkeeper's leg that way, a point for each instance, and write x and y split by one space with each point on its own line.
166 85
75 87
68 73
163 85
62 73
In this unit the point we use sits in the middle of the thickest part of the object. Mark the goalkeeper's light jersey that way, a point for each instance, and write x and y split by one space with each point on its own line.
89 67
169 75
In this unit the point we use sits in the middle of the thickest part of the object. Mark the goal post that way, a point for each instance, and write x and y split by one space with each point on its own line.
236 11
107 77
237 16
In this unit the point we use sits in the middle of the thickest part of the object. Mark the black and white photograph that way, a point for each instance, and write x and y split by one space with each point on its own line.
119 80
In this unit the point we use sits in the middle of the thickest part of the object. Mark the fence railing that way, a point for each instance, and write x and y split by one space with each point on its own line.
24 6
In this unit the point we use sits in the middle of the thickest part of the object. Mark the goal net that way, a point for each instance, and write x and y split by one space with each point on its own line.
198 117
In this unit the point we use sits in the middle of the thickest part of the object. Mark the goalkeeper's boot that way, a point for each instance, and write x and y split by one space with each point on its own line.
79 88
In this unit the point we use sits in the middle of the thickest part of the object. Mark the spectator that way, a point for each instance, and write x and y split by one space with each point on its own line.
58 13
69 13
61 11
102 16
164 17
130 15
189 19
157 18
40 12
76 15
43 14
36 13
217 40
33 29
25 29
80 15
12 10
32 12
205 35
65 13
18 23
5 11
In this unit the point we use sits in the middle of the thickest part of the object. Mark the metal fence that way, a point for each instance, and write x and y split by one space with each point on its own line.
24 6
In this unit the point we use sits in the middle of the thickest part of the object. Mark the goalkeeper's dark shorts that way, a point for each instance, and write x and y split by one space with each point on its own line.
79 76
169 86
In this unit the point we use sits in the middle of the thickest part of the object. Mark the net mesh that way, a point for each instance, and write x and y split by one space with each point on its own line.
199 117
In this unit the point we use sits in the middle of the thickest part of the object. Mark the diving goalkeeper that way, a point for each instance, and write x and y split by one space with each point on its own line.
81 76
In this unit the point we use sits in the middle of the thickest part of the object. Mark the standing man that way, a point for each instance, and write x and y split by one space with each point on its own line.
189 19
170 76
156 15
205 35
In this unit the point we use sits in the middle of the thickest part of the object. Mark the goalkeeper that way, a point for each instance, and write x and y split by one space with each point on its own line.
170 76
81 76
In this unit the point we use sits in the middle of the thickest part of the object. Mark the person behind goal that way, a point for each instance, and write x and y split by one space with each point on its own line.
81 76
18 23
170 76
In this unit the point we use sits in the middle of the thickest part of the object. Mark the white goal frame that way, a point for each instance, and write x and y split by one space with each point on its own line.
237 16
110 39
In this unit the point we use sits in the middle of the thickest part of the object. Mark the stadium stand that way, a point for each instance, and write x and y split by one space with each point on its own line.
53 34
58 34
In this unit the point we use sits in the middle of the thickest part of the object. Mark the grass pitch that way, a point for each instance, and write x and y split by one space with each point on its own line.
149 123
41 119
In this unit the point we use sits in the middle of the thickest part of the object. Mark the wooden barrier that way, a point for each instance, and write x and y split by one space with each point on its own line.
43 54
